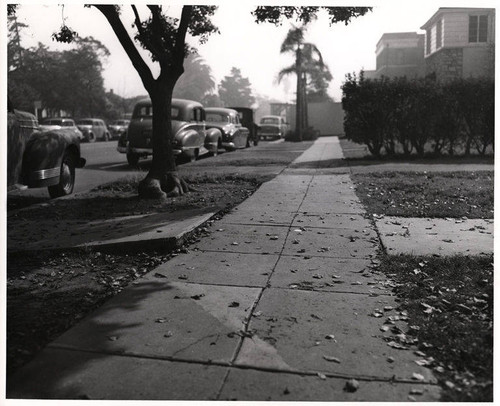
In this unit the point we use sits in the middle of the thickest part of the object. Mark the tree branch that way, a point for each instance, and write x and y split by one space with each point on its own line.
128 45
180 40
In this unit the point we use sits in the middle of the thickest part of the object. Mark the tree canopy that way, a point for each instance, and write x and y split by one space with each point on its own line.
196 82
236 90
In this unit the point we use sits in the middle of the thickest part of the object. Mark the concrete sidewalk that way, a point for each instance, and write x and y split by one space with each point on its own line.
281 302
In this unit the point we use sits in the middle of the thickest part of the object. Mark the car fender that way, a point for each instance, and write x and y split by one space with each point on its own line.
189 138
212 137
43 156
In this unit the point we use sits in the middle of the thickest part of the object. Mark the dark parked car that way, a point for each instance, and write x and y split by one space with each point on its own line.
118 127
227 121
247 119
191 136
273 127
37 158
61 122
93 129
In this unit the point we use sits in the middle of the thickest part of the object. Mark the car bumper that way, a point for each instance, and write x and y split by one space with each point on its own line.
148 151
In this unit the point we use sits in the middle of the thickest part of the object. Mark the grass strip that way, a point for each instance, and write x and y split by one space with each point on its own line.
449 302
433 194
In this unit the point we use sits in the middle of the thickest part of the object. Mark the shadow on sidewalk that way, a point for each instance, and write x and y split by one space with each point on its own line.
54 373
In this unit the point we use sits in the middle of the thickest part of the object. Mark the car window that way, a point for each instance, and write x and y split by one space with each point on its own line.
269 120
143 111
68 123
217 117
85 122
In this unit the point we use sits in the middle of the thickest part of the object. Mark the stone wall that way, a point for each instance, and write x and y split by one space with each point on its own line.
445 64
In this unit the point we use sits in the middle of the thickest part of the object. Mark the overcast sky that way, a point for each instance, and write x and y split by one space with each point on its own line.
254 48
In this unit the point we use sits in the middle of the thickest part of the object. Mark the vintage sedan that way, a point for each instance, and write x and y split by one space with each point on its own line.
191 136
118 127
247 119
37 158
234 135
272 127
93 129
61 122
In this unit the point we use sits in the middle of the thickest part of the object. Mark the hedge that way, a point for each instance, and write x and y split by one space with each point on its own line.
402 115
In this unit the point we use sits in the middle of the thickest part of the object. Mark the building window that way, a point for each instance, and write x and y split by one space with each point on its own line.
439 31
428 40
478 28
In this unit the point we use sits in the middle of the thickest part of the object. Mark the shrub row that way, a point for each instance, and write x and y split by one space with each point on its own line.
405 115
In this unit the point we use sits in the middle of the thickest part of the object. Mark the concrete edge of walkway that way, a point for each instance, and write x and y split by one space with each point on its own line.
133 243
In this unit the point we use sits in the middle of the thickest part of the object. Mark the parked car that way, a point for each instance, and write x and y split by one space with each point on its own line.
273 127
118 127
93 129
247 120
61 122
227 121
40 158
188 124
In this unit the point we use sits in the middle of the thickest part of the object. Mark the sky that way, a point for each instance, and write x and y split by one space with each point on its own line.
242 43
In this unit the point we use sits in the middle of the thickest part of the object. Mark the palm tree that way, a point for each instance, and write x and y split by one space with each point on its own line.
308 60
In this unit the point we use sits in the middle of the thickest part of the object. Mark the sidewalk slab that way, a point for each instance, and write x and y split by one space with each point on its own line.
254 239
356 222
251 385
329 275
124 233
218 268
431 236
291 332
330 243
166 320
69 374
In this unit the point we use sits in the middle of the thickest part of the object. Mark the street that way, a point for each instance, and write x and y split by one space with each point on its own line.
105 164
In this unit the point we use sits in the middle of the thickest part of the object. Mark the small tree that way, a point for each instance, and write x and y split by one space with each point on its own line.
235 90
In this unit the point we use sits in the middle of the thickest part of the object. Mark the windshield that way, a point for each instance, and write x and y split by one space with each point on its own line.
217 118
67 123
270 120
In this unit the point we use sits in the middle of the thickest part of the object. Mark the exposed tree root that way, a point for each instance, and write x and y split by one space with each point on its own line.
170 185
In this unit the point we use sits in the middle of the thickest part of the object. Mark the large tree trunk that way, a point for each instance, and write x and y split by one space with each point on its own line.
162 180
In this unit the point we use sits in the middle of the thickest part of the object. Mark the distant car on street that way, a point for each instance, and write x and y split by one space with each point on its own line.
56 123
272 127
191 135
118 127
40 158
93 129
247 119
227 121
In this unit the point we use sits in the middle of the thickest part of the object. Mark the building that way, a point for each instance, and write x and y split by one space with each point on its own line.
460 43
399 54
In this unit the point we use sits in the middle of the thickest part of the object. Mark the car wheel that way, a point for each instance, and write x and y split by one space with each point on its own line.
132 159
106 137
66 178
91 137
256 141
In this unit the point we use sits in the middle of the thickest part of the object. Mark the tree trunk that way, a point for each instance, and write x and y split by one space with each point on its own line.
162 180
299 106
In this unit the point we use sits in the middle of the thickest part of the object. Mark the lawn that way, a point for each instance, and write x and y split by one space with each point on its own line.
449 300
450 307
432 194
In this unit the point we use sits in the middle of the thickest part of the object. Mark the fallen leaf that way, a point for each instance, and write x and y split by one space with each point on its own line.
234 304
330 337
160 320
352 385
321 376
331 359
418 377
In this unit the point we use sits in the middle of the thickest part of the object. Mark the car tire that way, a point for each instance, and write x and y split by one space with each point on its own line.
256 141
132 158
91 137
106 137
66 178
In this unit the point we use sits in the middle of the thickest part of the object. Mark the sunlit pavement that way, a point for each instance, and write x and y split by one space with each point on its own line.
282 301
